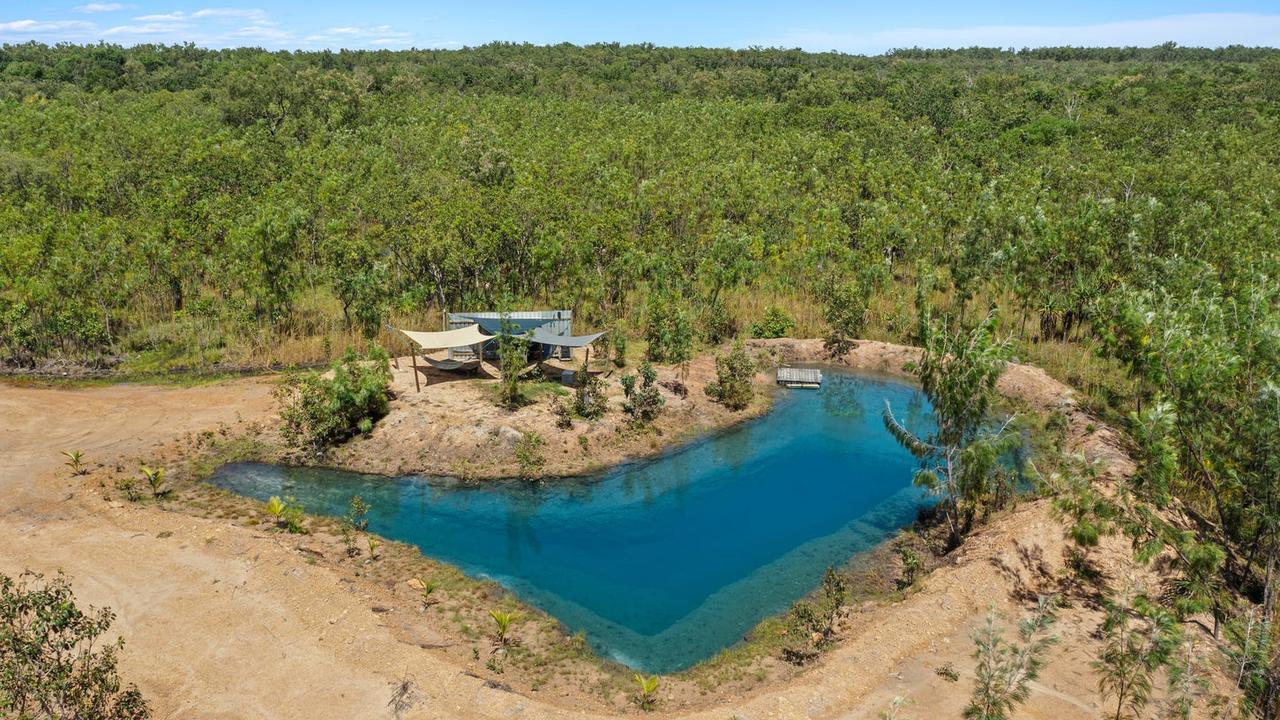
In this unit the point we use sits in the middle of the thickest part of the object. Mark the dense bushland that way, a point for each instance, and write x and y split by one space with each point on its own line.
170 206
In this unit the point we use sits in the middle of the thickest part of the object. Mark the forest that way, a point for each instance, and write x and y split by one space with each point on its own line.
175 208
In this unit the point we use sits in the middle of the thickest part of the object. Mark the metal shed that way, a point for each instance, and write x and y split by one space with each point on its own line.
556 322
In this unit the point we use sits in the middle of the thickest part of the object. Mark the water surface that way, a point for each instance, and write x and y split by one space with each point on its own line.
665 562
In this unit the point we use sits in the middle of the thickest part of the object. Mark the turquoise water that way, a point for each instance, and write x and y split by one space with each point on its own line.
665 562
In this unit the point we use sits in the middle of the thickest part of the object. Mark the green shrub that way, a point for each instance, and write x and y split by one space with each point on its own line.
619 345
51 664
564 416
319 412
358 513
642 401
775 324
294 516
718 324
845 310
734 372
529 454
589 399
912 565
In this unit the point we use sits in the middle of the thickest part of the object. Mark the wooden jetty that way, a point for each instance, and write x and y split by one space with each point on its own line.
799 377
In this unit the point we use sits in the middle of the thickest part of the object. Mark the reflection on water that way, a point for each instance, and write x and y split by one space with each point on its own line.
661 563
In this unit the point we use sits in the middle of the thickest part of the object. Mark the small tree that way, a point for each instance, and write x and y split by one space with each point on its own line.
529 454
1133 652
619 339
294 516
734 372
718 324
50 664
845 310
589 398
513 354
958 373
642 401
357 513
1005 670
670 334
912 566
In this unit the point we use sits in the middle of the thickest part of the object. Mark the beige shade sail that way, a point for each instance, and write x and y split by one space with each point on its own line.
462 337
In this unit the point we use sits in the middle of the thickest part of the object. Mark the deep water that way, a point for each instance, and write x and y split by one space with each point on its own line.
665 562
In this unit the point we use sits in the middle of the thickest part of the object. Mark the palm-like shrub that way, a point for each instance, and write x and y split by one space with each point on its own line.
502 621
646 697
155 480
276 509
75 461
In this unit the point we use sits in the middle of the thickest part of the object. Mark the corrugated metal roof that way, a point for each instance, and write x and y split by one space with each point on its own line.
555 322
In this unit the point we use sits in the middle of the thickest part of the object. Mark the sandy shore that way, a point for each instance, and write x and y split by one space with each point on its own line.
226 621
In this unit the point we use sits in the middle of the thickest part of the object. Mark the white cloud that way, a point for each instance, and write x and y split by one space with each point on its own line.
207 27
95 7
162 17
32 27
144 29
1197 30
355 35
253 15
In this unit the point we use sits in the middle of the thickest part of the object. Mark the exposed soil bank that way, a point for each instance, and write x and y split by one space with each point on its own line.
228 621
450 425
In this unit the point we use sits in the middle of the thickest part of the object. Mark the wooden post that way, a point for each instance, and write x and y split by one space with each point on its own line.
414 353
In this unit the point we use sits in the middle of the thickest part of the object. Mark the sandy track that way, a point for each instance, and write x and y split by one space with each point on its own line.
223 622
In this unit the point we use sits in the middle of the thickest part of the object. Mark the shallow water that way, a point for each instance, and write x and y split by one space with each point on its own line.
665 562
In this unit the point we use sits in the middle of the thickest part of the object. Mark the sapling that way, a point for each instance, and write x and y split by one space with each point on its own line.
1005 670
155 480
75 461
428 587
502 620
358 513
1132 652
276 509
646 697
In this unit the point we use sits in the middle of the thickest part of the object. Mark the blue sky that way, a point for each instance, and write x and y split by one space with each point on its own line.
864 27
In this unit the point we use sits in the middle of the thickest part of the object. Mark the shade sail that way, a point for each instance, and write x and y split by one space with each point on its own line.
462 337
541 335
